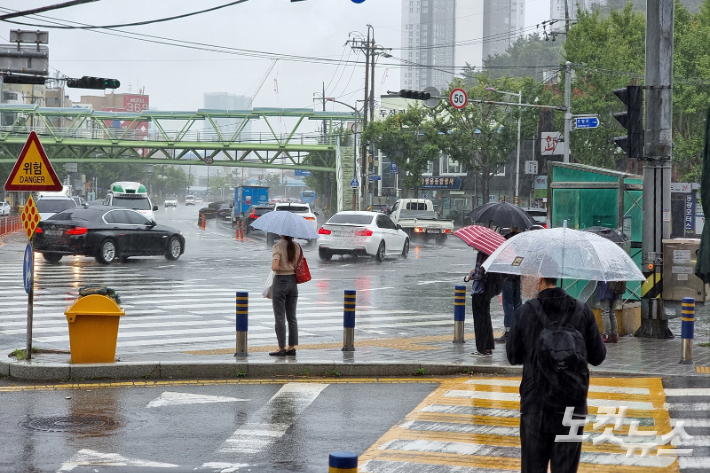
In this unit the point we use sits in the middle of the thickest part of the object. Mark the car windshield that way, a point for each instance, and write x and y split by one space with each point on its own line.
54 205
131 203
417 214
351 219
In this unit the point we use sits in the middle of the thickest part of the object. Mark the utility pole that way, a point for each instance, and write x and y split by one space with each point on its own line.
568 104
657 169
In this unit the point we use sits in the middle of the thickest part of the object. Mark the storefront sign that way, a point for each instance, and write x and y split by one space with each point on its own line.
441 183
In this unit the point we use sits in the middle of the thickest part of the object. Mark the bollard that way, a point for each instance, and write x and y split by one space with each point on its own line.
687 330
242 322
342 462
241 229
203 222
349 320
459 313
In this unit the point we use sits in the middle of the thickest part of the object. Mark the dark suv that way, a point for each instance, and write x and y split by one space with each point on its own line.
254 212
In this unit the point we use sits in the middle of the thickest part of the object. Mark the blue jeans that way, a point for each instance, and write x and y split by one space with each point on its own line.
511 300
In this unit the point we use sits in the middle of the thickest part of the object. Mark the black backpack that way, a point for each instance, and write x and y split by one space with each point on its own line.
561 373
494 284
617 287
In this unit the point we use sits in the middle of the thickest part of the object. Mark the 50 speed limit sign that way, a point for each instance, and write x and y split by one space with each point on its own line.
458 98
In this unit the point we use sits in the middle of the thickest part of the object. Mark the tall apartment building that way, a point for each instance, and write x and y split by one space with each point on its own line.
557 9
502 25
225 101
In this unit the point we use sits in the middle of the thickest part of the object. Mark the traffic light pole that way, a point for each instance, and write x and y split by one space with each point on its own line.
657 169
568 107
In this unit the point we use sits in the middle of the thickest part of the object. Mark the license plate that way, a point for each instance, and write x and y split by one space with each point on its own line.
434 230
53 232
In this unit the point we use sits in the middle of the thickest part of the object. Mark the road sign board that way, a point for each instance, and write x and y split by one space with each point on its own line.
458 98
28 268
32 171
393 168
30 217
530 167
586 122
302 172
354 184
375 178
551 143
209 159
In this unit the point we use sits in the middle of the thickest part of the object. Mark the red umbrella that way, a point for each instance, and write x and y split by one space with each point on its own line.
481 238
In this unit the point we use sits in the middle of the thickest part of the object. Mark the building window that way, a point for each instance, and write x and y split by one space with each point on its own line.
449 166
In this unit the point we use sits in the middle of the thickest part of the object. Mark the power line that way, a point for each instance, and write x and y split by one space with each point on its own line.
43 9
123 25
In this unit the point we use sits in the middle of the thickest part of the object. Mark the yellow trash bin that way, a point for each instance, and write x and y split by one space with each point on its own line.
93 329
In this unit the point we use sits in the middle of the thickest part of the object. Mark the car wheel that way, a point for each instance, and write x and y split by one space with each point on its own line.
380 255
52 257
107 252
325 255
440 239
405 249
124 259
174 249
234 222
270 237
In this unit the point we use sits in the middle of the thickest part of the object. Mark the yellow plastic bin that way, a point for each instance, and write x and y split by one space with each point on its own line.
93 329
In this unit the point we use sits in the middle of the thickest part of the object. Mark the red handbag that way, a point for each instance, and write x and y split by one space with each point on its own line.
303 274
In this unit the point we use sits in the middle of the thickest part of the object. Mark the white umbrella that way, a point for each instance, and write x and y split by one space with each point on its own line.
563 253
283 222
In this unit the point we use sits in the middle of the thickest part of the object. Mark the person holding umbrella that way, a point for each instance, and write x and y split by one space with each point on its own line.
285 257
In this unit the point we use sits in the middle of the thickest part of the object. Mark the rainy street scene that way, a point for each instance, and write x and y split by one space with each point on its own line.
353 236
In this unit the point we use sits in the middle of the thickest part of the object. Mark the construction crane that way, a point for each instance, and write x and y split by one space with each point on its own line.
261 83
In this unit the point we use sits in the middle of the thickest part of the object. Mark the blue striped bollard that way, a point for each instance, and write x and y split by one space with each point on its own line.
342 462
349 320
687 330
459 313
242 322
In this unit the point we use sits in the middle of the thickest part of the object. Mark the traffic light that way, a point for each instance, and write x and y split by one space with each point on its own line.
93 83
632 120
19 79
414 94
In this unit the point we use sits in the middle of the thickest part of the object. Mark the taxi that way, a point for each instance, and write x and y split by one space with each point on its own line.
131 195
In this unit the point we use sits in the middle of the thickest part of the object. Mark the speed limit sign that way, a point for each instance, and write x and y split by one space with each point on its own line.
458 98
209 159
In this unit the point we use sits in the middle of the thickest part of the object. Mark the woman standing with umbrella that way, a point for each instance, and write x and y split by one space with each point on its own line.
285 257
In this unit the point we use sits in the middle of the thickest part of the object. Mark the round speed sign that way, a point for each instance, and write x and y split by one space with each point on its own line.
458 98
209 159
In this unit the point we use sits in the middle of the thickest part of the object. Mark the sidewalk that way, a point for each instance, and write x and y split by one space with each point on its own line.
435 355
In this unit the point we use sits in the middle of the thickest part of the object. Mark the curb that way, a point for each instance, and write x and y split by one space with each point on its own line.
32 371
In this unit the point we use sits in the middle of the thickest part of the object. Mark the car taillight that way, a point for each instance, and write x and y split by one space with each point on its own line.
309 218
252 216
323 231
448 231
77 231
366 232
39 230
418 229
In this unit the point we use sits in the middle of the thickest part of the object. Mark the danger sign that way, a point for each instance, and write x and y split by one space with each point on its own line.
32 171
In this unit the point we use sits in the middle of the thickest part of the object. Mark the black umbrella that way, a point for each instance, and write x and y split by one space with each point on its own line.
610 234
502 214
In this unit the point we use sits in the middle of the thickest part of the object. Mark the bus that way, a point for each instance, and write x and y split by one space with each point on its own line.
308 197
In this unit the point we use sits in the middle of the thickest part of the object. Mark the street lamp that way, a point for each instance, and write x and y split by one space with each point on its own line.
357 113
517 159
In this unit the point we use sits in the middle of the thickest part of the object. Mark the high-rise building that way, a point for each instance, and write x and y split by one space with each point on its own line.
503 23
225 101
428 43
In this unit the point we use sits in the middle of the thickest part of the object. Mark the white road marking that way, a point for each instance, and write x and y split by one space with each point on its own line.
693 462
87 457
221 467
286 405
177 399
687 406
688 392
496 396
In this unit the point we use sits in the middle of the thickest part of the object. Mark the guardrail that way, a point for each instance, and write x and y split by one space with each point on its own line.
10 224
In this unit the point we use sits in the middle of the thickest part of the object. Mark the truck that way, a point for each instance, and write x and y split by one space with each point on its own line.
245 197
418 218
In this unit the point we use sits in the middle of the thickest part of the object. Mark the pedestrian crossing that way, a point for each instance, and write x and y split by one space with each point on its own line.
169 314
471 425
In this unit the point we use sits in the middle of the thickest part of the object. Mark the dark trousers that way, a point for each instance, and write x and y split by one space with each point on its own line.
284 303
482 325
537 439
511 300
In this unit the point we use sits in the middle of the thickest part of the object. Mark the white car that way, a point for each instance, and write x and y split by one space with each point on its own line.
361 234
4 209
48 205
304 210
171 201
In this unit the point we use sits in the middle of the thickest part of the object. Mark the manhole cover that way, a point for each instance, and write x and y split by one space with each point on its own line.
69 424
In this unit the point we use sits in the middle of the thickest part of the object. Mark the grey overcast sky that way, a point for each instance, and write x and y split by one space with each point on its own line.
176 78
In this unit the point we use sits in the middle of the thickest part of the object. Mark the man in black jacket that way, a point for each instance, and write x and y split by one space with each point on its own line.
539 422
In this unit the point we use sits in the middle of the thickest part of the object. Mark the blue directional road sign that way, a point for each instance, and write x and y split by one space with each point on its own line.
302 172
354 183
28 268
375 178
586 122
393 168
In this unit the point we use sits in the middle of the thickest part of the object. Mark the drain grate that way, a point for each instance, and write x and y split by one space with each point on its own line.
69 424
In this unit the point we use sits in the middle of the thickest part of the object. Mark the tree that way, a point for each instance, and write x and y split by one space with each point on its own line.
219 184
408 139
168 180
480 136
526 57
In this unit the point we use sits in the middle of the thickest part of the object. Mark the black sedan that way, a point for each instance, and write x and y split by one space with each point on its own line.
106 233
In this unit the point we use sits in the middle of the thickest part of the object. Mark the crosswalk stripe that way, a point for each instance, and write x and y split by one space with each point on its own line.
687 406
687 392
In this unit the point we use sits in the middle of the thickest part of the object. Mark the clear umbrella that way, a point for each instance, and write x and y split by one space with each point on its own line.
283 222
563 253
